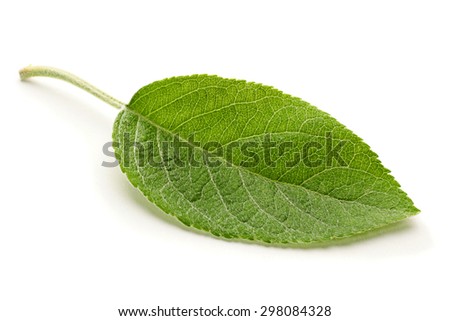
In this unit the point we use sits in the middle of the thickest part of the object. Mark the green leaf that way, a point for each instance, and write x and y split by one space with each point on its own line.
244 160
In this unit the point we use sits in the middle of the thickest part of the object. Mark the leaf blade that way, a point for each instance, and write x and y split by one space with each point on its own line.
264 202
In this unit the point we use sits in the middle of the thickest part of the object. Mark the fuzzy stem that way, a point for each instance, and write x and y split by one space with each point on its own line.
42 71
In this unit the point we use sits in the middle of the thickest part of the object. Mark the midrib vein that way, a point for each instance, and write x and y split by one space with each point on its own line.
152 123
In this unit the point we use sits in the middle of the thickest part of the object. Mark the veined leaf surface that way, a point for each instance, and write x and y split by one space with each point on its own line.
252 163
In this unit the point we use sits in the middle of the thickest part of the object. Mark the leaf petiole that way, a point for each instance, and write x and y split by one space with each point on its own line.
43 71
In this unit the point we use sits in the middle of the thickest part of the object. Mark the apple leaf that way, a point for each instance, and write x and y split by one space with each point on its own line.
243 160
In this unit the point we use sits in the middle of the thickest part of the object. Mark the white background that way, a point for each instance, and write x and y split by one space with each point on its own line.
77 241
